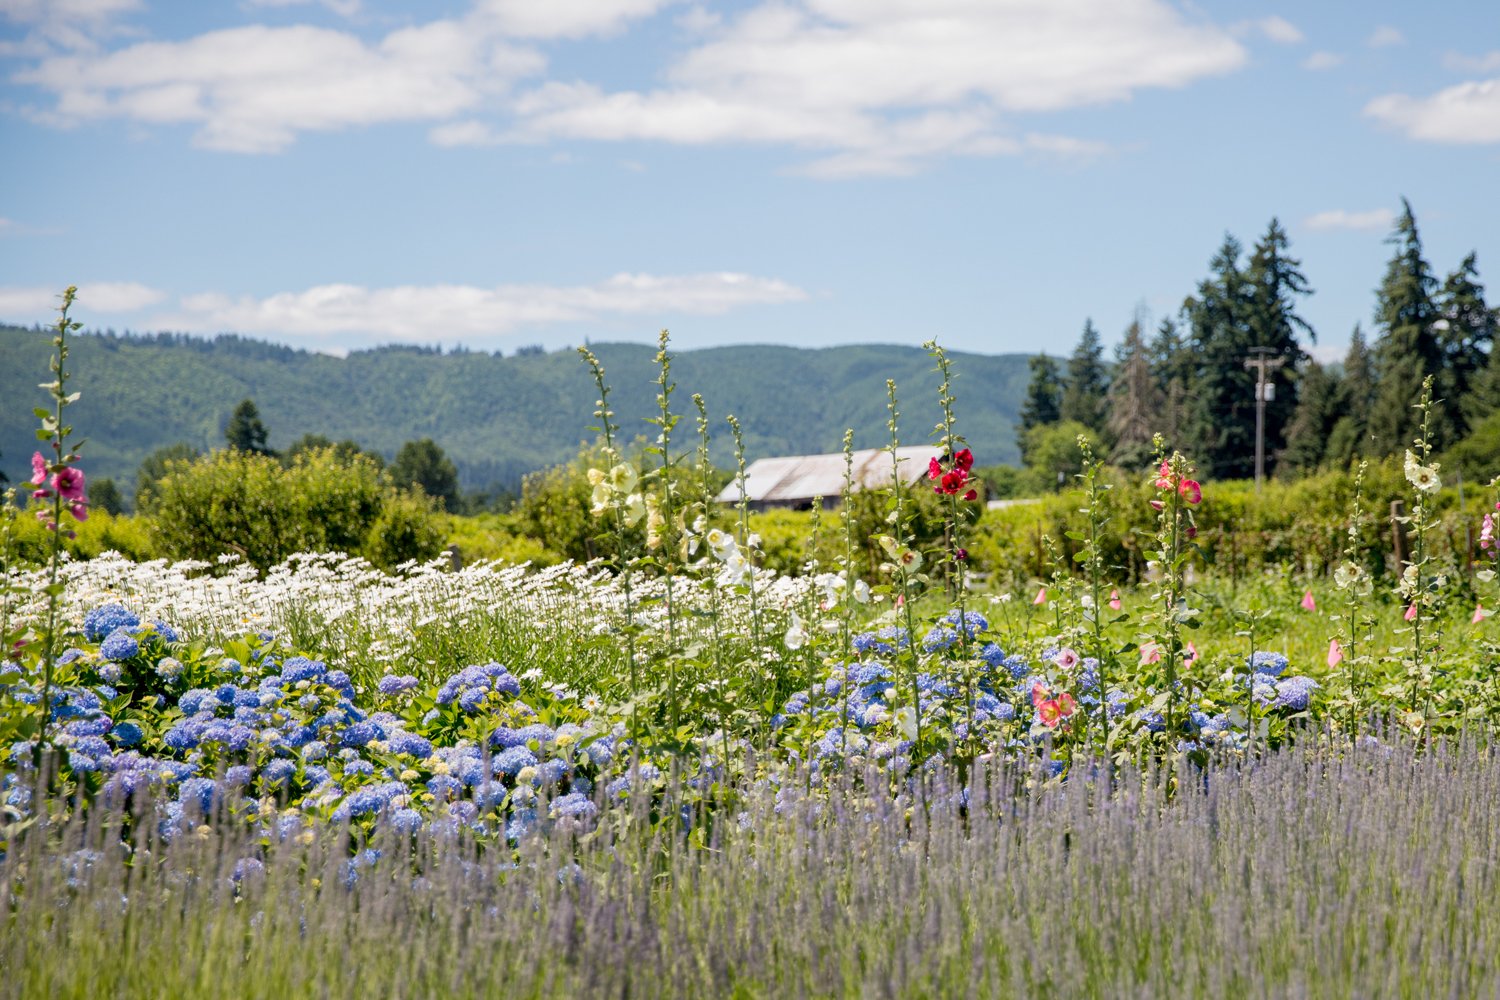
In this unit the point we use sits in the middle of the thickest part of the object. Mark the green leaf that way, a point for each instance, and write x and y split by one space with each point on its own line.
41 412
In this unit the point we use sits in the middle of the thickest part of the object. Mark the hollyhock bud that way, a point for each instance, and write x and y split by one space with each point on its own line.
1114 599
960 554
972 495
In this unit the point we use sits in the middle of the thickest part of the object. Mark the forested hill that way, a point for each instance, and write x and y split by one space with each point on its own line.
497 417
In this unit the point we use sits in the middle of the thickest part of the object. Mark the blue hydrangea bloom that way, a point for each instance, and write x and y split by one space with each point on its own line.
103 620
1295 693
410 744
1271 664
300 668
974 622
127 734
198 792
510 761
119 645
887 640
393 684
573 806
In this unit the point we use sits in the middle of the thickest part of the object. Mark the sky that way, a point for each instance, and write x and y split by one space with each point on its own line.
338 174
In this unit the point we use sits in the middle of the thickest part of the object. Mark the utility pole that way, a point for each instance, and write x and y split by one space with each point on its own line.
1264 391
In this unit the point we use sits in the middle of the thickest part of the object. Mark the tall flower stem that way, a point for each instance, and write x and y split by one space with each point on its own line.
661 521
903 575
625 564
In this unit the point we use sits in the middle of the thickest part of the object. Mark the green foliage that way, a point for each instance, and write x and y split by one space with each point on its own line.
1408 348
499 417
422 464
1043 398
155 467
346 450
240 502
1054 452
1086 384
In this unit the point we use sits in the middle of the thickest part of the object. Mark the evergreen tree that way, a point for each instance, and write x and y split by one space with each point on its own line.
105 495
1466 334
424 464
1407 350
1318 408
1349 436
1221 417
1135 402
245 432
1274 281
1087 384
1172 365
1043 397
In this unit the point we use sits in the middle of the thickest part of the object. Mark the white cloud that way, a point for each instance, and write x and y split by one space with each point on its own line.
252 89
565 18
1322 61
344 8
888 85
1465 113
439 312
33 304
1338 218
68 24
1277 29
1460 63
1385 36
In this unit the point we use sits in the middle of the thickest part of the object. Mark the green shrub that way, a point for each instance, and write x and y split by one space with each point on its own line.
249 504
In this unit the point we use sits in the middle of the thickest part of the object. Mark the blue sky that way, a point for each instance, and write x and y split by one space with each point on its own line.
501 173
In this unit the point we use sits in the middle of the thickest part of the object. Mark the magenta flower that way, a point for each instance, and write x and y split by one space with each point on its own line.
38 469
1411 613
69 483
1191 491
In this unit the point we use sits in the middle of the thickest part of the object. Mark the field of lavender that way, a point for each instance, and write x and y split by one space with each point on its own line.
680 774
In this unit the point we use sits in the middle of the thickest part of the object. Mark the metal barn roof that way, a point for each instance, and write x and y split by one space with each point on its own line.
796 479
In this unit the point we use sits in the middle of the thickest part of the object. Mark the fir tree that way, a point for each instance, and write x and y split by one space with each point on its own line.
1172 365
1318 409
1087 382
245 432
1349 437
1043 397
1135 402
1222 410
1407 350
1274 281
1466 334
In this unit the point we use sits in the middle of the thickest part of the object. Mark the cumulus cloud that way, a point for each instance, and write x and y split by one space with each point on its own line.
344 8
33 304
565 18
1468 113
871 86
429 313
1384 37
252 89
1322 61
67 24
1374 219
887 85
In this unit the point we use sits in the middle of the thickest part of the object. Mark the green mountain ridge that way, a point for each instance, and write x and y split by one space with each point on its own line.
497 417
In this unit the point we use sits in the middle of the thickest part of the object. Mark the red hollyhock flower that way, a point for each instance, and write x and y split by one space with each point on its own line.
964 460
934 468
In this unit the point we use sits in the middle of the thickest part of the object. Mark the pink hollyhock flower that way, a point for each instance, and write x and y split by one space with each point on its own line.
1411 613
1150 653
1191 654
1335 653
1164 476
1066 704
934 469
1191 491
1157 505
1066 658
1041 596
69 483
1308 604
79 512
1487 532
1114 599
1050 713
1038 693
1478 615
38 469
